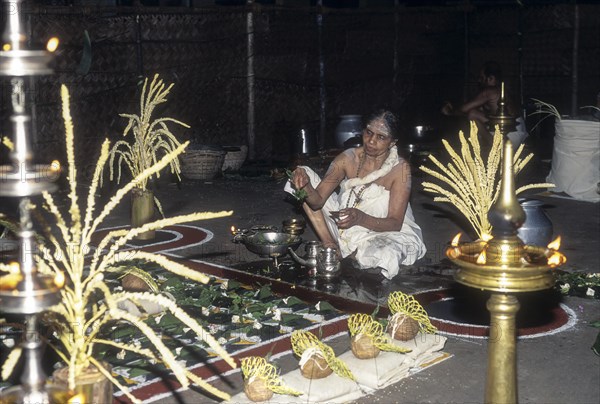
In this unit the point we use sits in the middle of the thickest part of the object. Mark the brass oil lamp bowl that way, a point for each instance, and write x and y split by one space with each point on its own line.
504 266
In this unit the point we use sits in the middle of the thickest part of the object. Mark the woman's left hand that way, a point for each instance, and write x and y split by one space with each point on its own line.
350 217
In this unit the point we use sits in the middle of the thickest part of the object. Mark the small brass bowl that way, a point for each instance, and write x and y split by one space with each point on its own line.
296 231
294 226
294 223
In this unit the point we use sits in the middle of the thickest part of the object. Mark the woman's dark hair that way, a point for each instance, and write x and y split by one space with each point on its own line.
390 119
491 68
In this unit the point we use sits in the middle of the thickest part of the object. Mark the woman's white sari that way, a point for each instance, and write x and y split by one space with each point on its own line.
388 249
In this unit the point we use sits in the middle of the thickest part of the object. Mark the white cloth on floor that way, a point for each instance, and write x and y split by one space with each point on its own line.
390 367
330 389
388 249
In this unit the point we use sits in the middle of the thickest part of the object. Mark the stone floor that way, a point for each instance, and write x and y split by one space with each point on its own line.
554 368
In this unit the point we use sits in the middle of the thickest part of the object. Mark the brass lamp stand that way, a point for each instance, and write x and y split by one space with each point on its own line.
24 291
502 119
504 266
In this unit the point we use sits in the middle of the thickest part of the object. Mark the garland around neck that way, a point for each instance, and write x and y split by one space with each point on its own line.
386 167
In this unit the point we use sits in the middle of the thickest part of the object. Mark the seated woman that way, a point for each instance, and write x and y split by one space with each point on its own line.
371 218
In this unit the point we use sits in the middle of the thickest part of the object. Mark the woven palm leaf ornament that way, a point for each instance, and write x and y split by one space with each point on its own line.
408 317
368 337
261 379
317 360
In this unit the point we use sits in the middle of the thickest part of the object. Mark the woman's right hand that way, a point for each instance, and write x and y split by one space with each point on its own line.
299 178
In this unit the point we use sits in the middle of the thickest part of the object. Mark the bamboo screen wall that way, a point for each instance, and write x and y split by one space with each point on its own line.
410 59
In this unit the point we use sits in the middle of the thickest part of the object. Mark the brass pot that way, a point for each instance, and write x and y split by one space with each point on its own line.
142 211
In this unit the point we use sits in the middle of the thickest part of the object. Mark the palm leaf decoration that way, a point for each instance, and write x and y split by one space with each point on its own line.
87 304
150 138
472 184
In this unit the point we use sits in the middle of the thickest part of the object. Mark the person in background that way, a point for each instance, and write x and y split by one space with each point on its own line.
485 103
370 218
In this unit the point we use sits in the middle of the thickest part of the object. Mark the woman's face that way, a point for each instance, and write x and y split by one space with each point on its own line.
377 138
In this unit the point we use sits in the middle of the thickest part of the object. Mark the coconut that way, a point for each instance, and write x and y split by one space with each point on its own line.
315 367
362 347
133 283
256 389
403 327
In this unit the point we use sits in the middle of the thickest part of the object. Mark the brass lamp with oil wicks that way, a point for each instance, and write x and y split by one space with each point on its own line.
24 291
505 266
502 119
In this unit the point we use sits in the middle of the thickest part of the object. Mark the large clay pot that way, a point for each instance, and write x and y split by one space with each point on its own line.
537 228
142 211
91 384
348 127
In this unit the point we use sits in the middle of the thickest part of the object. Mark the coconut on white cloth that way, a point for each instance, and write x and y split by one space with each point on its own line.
330 389
387 250
390 367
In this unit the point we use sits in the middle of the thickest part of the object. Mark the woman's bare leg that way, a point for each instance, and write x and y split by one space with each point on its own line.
318 222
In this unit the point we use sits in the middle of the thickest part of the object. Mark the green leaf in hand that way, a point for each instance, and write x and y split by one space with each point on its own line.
299 194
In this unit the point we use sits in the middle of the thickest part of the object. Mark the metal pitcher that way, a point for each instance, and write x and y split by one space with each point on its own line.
310 260
328 262
537 228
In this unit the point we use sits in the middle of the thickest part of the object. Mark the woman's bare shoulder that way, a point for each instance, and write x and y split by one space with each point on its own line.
342 164
347 157
401 170
402 164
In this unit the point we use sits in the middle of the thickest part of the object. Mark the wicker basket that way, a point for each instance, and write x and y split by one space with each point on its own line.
202 164
235 157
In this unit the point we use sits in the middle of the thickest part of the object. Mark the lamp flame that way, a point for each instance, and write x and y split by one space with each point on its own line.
52 44
556 259
59 279
14 267
76 399
555 245
233 229
55 165
6 47
482 258
454 242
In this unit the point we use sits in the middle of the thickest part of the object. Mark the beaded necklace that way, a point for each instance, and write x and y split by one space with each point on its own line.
358 195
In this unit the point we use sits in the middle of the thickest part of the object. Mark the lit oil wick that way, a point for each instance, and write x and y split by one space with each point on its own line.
555 244
482 258
59 279
52 44
455 240
556 258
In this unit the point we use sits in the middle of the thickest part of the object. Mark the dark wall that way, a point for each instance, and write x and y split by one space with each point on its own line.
409 58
